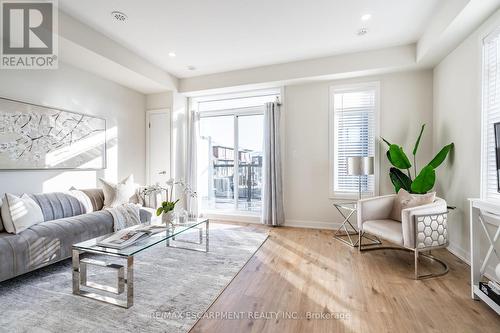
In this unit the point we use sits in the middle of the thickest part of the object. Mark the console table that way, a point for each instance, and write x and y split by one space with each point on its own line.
483 213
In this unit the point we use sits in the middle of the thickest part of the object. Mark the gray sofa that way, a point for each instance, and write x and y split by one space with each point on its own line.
65 223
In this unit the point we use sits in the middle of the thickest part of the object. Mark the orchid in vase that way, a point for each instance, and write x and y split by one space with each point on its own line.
166 209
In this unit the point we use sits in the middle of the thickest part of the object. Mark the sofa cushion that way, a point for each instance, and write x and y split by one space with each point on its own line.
49 242
20 213
58 205
387 229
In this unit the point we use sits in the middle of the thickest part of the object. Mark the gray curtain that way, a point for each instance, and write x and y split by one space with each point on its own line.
272 206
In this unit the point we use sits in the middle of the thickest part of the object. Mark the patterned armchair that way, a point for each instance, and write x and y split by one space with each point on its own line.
422 228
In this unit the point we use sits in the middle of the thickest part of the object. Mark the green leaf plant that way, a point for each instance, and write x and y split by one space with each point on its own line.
400 173
166 206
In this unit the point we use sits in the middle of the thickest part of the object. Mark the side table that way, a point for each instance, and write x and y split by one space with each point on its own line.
346 229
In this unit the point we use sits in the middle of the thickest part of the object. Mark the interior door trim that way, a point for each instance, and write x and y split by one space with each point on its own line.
148 145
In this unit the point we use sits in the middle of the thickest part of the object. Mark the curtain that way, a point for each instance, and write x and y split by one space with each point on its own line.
192 165
272 206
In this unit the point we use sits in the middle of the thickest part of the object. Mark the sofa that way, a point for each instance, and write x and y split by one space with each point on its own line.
66 222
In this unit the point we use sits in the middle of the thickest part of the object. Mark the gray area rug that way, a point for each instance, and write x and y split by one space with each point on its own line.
172 288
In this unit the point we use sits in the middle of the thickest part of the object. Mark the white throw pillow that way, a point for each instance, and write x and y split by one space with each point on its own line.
82 198
118 194
20 213
404 199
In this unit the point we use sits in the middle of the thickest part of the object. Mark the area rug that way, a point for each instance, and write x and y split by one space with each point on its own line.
172 288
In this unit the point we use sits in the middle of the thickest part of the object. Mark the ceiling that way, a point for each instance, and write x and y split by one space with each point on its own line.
223 35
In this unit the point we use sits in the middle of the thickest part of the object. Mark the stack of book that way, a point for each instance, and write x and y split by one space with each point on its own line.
127 237
491 289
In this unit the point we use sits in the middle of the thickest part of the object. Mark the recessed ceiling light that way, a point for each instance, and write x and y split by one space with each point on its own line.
171 54
362 31
191 68
119 16
366 17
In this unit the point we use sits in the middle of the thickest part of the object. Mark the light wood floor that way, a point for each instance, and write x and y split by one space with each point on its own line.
304 270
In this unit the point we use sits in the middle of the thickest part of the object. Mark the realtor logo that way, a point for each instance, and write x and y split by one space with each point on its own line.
28 34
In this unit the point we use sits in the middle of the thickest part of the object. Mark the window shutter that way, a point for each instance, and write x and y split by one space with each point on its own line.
491 112
354 135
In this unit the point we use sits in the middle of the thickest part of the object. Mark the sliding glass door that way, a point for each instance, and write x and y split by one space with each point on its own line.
230 160
250 142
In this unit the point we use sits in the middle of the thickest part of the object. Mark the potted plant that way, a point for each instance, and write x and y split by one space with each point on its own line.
421 182
166 209
167 206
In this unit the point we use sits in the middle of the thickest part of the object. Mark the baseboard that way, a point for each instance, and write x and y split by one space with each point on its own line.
234 218
311 224
459 252
464 255
288 223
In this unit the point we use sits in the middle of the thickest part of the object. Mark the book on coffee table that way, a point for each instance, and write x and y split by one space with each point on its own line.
126 237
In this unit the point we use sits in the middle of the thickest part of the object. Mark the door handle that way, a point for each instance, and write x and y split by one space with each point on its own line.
162 172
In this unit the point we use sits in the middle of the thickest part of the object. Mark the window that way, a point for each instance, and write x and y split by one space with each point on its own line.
353 131
490 113
230 150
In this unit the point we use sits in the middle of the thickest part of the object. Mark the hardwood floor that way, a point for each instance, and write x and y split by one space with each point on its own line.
302 270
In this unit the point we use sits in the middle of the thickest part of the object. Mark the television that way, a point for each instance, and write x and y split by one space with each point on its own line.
497 152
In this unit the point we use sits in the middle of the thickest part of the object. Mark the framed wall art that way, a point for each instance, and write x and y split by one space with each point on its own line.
34 137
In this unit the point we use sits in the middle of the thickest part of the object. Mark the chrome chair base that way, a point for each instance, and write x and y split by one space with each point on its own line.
417 253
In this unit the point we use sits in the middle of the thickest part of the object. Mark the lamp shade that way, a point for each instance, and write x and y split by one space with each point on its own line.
359 166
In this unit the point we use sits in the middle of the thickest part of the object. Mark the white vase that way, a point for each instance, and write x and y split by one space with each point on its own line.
168 217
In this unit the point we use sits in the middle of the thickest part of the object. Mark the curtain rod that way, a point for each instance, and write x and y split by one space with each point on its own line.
232 98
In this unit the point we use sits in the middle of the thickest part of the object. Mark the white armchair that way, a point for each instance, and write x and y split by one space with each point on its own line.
422 228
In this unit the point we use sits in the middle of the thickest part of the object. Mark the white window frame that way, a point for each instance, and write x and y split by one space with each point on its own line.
331 135
484 179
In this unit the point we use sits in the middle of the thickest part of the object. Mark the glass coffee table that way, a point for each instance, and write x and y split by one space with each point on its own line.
167 237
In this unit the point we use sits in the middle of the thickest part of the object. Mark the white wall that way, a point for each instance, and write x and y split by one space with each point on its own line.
76 90
179 141
457 117
406 103
159 101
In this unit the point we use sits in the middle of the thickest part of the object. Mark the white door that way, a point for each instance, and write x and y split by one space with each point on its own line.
158 146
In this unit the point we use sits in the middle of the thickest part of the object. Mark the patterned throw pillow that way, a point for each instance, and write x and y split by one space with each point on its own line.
20 213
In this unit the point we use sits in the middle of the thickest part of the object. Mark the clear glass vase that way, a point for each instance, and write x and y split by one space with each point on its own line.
168 218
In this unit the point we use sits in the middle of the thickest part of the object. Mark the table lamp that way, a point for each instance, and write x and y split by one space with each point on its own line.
359 166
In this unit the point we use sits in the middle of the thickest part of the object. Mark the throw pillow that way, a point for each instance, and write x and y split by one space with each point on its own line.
407 200
20 213
83 198
118 194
